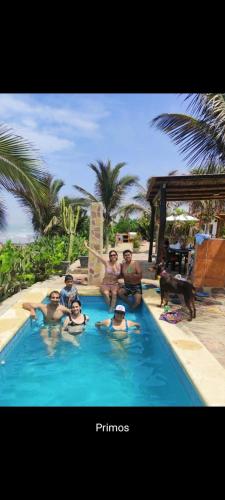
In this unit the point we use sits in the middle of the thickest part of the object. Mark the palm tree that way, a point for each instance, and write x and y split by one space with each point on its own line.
109 189
201 136
206 210
18 168
140 205
43 209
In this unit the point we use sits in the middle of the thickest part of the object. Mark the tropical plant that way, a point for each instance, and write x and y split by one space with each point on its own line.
18 168
206 210
201 136
125 225
140 205
68 221
83 224
42 209
21 266
110 190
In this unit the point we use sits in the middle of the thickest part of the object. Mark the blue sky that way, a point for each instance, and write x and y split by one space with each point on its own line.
72 130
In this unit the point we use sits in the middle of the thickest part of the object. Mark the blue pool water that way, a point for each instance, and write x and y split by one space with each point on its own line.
99 371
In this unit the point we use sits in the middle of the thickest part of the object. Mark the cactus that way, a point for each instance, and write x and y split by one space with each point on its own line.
69 223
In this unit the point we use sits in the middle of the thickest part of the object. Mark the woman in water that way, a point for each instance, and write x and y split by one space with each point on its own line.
110 284
118 324
76 321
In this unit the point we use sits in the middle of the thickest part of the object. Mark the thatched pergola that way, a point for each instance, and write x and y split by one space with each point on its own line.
180 188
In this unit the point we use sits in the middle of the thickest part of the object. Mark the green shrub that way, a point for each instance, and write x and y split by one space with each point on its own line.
22 266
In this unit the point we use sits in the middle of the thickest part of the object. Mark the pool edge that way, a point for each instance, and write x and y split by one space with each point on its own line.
204 371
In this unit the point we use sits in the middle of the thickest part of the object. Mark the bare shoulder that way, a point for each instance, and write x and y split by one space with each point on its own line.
64 309
137 266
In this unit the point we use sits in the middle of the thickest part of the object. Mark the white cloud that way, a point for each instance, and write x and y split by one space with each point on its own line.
43 140
86 120
49 128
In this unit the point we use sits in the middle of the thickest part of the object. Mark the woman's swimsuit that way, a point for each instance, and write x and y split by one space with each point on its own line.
112 329
111 273
73 322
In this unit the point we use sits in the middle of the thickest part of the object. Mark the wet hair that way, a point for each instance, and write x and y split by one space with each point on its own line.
76 302
127 251
68 277
54 291
113 251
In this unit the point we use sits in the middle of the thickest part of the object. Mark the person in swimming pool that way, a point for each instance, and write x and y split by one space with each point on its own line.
76 321
53 313
118 323
110 284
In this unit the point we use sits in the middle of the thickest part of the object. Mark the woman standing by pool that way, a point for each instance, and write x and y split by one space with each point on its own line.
110 284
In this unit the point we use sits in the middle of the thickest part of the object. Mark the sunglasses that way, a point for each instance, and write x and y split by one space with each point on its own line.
113 255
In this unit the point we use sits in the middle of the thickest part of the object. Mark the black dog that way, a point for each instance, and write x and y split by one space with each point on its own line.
169 284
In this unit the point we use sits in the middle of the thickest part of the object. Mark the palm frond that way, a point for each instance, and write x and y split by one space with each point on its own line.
2 215
132 208
198 139
17 165
87 195
55 221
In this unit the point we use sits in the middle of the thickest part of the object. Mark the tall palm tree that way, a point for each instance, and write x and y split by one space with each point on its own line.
43 209
201 135
142 206
206 210
109 189
18 168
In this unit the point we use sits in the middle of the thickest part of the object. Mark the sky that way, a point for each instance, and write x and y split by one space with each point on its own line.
70 131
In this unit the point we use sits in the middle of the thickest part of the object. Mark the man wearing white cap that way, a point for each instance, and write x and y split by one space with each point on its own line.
118 322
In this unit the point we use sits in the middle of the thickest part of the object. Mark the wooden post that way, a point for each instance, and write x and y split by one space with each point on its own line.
162 221
152 226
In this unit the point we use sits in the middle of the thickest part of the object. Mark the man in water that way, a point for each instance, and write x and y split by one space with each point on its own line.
132 274
52 312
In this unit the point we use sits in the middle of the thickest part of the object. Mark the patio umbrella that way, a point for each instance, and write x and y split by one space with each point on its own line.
182 218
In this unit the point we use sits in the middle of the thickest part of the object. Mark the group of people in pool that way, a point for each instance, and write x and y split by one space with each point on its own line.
67 302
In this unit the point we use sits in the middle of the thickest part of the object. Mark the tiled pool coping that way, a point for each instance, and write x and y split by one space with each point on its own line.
204 371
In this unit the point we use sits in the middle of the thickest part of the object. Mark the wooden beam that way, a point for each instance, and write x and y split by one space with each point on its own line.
162 221
152 226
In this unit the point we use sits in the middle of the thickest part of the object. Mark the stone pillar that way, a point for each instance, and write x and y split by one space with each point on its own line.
95 267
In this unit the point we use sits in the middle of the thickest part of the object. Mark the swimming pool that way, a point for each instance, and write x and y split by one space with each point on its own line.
98 371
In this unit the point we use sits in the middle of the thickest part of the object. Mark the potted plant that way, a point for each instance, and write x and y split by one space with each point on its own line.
84 258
